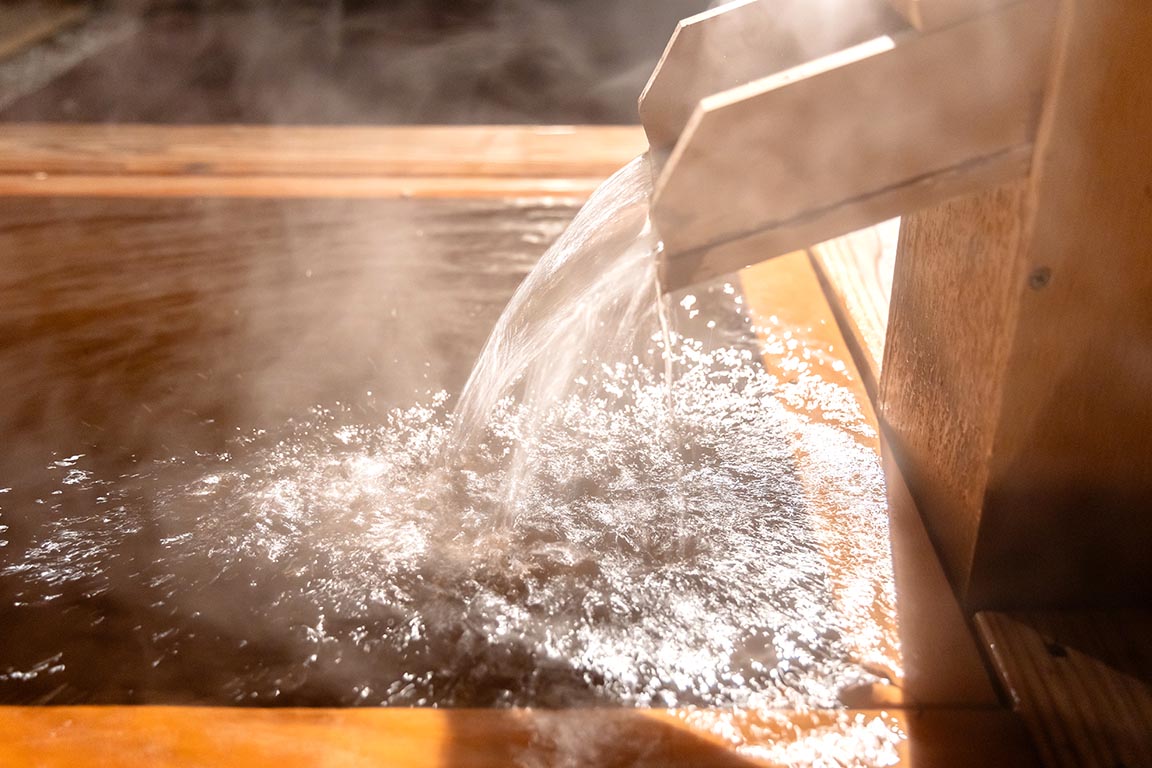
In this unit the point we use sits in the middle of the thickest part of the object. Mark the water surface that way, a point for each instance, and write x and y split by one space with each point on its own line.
279 509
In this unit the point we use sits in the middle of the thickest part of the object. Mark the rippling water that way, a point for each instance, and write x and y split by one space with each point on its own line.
555 542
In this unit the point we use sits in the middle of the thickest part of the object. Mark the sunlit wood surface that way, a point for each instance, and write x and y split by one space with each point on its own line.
294 161
856 272
198 737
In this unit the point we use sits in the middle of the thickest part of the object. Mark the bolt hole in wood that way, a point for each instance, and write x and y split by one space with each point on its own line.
1039 278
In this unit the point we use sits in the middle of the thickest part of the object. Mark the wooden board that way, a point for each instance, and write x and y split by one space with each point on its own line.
1016 378
198 737
1082 682
1071 463
854 144
271 161
953 300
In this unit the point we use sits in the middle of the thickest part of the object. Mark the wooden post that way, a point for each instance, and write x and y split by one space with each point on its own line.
1017 379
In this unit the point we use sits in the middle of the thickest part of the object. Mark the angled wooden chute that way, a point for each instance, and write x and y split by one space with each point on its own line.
746 40
899 121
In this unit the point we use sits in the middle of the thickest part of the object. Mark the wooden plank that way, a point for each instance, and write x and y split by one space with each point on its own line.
142 186
861 142
856 273
934 14
1015 378
746 40
25 23
194 737
1081 681
953 299
263 151
1071 463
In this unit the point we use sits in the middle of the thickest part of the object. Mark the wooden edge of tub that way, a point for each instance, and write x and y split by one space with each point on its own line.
306 161
187 737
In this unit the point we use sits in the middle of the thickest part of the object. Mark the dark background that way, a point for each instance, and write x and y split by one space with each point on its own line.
349 61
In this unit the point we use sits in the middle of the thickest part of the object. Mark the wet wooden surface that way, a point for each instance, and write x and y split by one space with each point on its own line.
856 273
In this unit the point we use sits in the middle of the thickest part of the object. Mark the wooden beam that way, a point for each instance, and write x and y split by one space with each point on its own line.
54 159
145 186
889 127
1016 378
952 305
193 737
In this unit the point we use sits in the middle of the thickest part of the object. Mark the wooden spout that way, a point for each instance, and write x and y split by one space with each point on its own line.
885 127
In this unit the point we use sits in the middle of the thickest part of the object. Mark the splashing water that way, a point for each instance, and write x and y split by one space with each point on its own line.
581 307
548 544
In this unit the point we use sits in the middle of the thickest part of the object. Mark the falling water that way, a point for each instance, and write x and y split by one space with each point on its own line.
584 306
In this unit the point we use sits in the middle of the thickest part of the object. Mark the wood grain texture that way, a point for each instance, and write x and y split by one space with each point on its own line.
1016 376
142 186
856 273
954 299
877 133
1070 479
185 737
1081 681
696 266
153 160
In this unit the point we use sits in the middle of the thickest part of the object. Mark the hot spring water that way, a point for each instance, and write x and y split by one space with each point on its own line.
554 539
